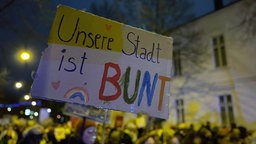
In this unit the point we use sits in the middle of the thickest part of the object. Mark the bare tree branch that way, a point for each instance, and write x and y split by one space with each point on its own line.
248 20
5 6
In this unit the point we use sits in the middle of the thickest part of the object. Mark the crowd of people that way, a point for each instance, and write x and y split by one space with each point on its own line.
24 131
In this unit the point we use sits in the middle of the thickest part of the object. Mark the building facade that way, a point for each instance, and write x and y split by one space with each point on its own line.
214 68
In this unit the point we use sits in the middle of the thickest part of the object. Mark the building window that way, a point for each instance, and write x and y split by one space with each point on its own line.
180 110
226 110
177 63
219 51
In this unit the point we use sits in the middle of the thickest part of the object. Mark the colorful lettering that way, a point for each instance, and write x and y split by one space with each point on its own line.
149 90
163 80
114 80
126 86
146 85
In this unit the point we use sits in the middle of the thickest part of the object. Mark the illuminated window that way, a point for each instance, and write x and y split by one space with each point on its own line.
180 111
226 110
219 51
177 63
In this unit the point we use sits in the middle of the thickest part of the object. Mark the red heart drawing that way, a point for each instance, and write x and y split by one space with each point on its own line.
108 27
56 85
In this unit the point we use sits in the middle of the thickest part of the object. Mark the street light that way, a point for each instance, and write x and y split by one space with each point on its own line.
24 56
26 97
36 114
49 110
18 85
33 103
9 109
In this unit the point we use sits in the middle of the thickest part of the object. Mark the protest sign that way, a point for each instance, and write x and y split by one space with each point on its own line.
94 61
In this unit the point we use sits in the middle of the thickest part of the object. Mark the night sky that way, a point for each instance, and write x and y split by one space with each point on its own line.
25 24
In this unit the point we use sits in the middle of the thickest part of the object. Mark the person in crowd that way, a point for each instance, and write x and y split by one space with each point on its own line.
86 132
152 137
172 140
89 133
197 140
150 140
114 136
223 136
118 136
33 135
9 136
130 132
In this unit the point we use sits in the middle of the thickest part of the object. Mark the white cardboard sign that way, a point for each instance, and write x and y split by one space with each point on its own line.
94 61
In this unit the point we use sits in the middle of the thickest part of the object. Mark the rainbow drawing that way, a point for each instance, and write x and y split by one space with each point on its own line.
79 92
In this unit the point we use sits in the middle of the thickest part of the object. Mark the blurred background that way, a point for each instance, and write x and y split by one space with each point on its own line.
213 59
